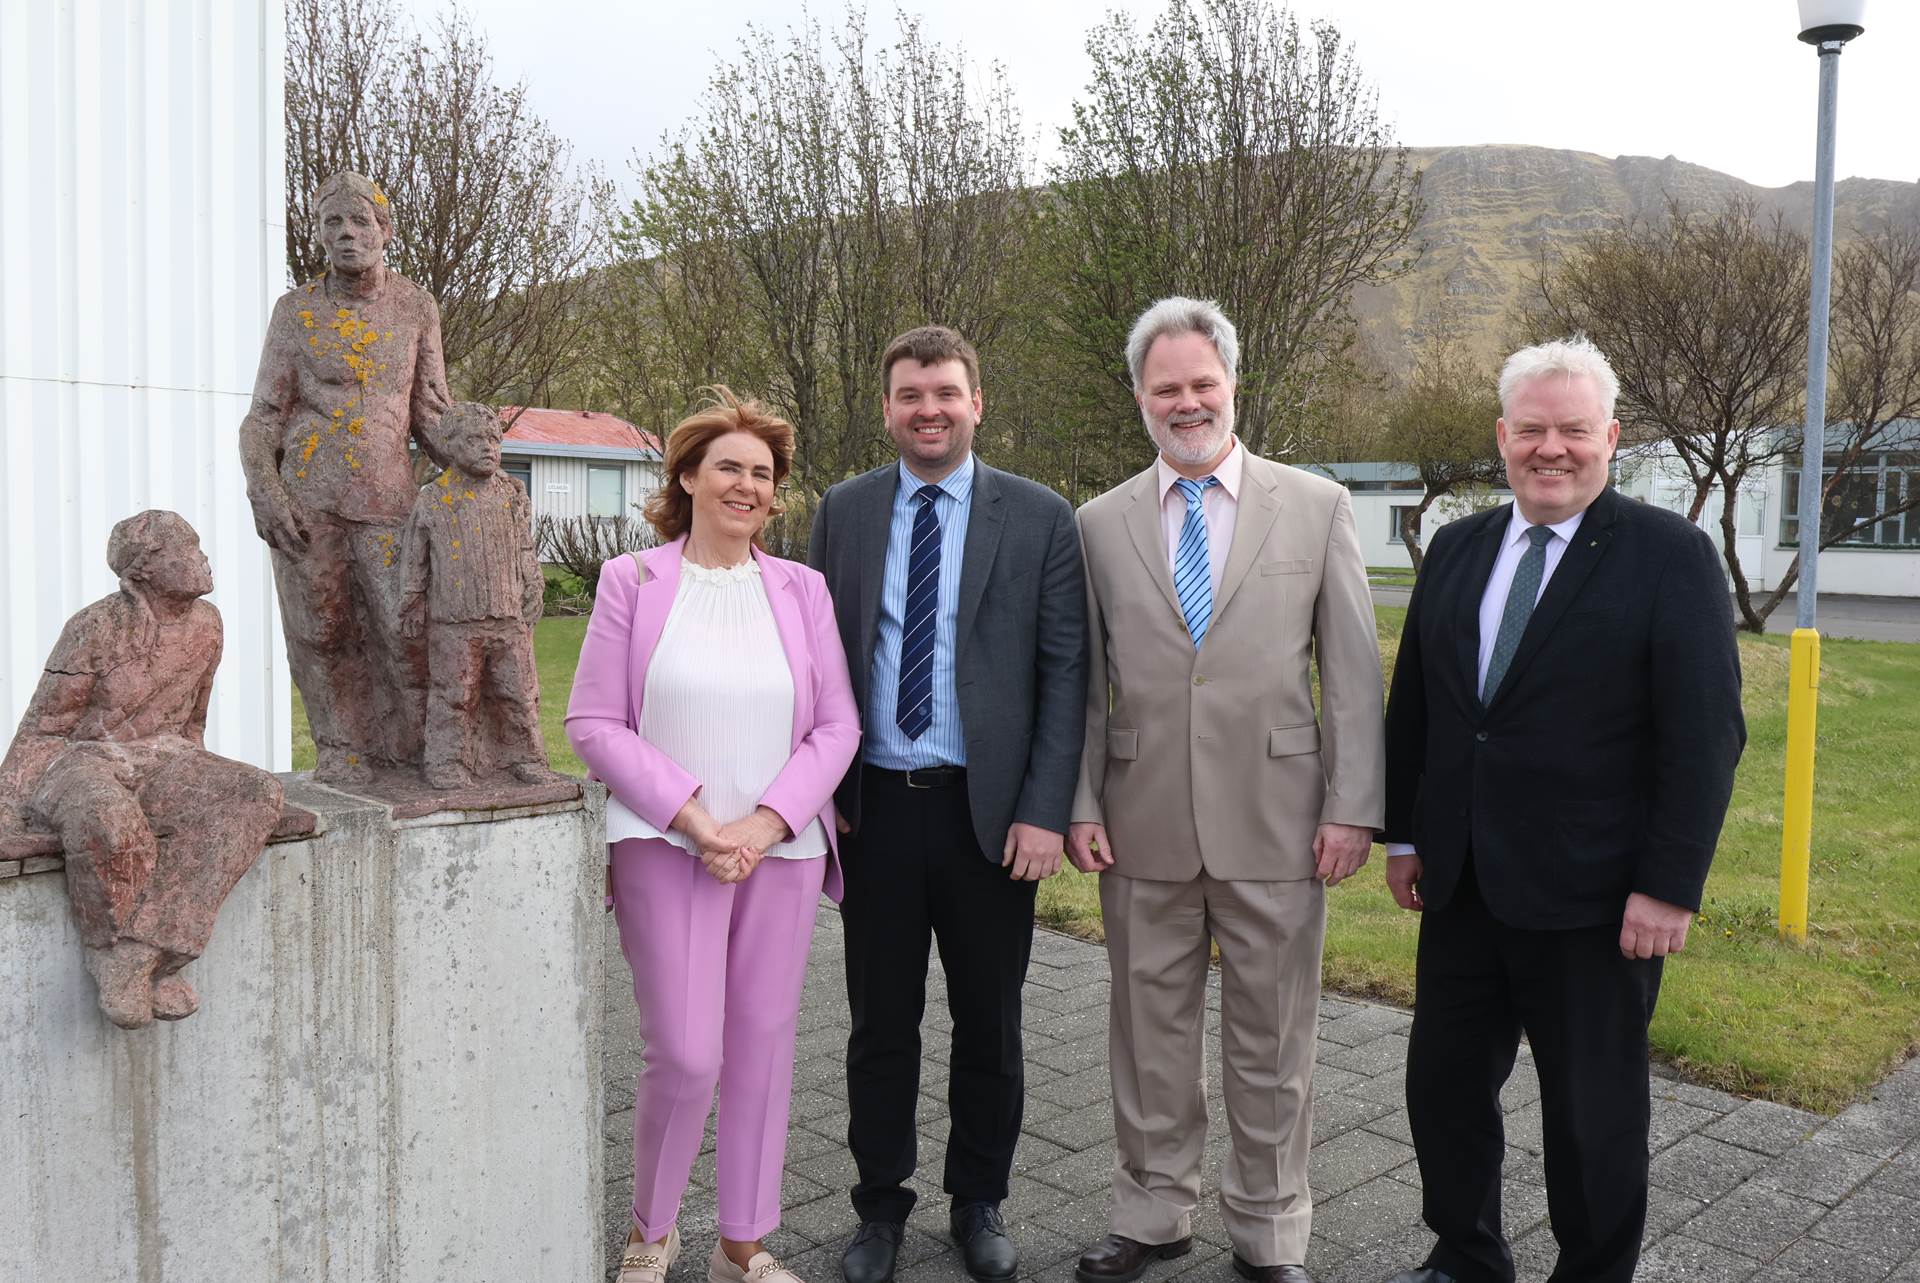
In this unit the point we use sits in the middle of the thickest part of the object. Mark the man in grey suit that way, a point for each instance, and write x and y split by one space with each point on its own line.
959 594
1212 800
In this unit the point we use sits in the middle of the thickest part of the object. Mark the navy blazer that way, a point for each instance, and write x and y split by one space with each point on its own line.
1604 762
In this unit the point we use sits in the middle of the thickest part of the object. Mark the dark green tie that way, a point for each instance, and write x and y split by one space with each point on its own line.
1513 617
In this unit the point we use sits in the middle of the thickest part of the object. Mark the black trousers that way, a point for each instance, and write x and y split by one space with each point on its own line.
1584 1009
915 876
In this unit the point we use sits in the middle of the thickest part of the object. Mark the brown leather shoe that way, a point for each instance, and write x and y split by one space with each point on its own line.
1270 1273
1119 1259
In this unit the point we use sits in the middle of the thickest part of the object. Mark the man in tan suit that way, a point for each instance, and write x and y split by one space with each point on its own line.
1215 805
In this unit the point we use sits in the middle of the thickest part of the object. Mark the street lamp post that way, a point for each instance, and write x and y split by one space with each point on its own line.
1827 25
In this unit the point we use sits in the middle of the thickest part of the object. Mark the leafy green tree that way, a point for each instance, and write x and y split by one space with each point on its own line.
1223 152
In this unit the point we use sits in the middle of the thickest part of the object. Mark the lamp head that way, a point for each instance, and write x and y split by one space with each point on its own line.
1831 21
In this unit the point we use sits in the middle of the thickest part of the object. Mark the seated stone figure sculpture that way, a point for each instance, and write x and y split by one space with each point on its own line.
111 758
473 585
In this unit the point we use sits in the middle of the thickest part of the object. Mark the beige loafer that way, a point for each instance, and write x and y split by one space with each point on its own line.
763 1268
649 1262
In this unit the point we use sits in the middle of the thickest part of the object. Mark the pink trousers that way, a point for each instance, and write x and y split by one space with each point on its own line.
717 972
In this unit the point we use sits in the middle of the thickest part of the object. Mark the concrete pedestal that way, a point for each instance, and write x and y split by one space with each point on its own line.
394 1074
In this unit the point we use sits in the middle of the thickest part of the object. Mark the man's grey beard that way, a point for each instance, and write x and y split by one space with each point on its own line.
1193 451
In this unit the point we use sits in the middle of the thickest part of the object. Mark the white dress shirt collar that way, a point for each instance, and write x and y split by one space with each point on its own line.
1227 474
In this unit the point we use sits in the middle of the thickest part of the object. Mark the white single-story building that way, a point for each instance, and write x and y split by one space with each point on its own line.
579 463
1876 559
1380 491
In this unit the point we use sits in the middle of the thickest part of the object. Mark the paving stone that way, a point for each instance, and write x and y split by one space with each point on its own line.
1764 1127
1754 1220
1075 1057
1886 1221
1388 1089
1394 1125
1365 1025
1522 1087
1901 1176
1881 1130
1376 1056
1075 1091
1327 1081
1088 1172
1084 1220
1824 1173
1534 1253
1668 1209
1708 1098
1335 1114
1907 1273
1353 1159
1811 1259
1083 1127
1672 1119
1382 1260
1526 1128
1679 1259
1036 1151
1029 1199
1334 1008
1523 1205
1368 1215
1704 1167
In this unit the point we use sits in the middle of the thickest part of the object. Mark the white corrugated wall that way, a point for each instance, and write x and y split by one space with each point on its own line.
559 485
141 248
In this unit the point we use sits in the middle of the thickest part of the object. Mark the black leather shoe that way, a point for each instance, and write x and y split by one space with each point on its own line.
870 1257
1119 1259
987 1252
1423 1274
1270 1273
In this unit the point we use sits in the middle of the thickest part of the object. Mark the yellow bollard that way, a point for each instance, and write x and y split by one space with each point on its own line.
1796 831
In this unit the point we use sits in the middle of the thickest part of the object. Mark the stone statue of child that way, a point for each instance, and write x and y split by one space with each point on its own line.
350 371
111 757
473 585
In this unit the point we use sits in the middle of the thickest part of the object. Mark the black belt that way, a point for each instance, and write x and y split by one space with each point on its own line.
925 777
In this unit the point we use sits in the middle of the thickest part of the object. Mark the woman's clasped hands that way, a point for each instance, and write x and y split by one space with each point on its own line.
732 851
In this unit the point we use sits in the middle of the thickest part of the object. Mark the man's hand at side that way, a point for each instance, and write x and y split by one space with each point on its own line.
1403 879
1339 850
1653 928
1031 852
1088 848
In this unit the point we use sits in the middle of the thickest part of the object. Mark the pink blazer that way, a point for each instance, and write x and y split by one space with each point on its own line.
603 714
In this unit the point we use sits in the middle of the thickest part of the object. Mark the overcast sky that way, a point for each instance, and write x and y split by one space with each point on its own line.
1721 83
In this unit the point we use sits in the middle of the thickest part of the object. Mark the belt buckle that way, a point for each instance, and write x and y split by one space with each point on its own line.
911 783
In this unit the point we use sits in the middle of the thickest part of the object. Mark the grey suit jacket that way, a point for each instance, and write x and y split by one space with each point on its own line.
1020 639
1215 759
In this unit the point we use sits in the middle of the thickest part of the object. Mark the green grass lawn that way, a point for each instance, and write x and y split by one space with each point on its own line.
1810 1025
1390 576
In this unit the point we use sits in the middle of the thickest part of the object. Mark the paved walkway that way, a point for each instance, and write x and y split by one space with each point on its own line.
1742 1189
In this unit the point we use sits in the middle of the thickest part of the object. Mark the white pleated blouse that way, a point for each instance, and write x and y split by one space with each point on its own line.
719 701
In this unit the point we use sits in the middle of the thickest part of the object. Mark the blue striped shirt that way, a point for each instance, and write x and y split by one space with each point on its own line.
943 743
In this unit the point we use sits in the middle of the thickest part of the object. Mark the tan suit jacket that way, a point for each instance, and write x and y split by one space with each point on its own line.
1213 759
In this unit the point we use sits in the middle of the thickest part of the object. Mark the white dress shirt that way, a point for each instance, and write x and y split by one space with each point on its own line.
1493 602
719 702
1218 505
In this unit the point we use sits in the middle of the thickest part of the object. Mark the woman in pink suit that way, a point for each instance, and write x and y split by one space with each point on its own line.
712 698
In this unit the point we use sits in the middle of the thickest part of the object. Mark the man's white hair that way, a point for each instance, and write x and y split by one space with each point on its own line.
1569 358
1182 316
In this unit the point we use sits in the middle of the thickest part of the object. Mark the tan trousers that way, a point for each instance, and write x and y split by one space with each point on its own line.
1158 937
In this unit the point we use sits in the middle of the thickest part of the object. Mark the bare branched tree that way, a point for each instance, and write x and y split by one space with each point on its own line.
1441 421
490 215
582 545
1875 384
1224 152
1704 317
827 196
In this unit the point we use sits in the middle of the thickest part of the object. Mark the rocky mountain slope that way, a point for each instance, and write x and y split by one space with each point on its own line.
1493 212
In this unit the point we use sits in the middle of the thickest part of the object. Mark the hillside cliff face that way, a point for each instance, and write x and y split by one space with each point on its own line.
1493 213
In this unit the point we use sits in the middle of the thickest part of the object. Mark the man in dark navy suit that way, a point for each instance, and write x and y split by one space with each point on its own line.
1562 732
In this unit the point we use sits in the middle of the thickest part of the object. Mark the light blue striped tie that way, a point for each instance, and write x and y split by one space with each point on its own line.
1192 579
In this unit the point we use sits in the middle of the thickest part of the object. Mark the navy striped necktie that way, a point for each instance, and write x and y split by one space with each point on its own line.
913 707
1192 577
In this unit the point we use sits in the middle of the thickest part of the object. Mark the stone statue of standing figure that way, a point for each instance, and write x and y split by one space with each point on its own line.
351 370
111 758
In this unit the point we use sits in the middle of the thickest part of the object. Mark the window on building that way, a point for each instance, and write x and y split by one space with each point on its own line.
1878 482
1394 516
1752 514
606 491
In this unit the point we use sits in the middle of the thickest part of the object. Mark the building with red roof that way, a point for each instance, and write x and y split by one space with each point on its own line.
579 463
